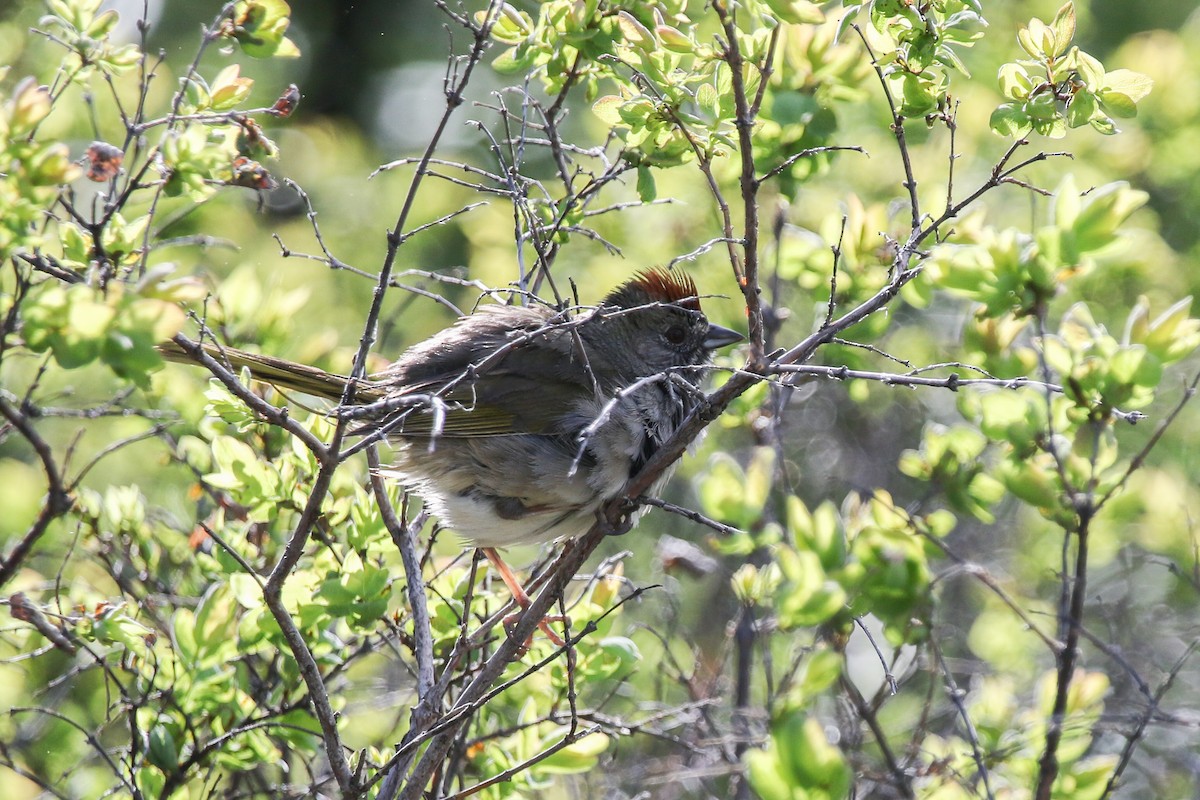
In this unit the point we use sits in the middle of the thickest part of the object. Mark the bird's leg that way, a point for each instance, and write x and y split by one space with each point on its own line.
518 593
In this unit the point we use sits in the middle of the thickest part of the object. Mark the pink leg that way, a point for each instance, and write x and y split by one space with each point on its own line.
518 593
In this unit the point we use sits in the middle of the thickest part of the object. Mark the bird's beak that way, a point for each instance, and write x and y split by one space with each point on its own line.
720 337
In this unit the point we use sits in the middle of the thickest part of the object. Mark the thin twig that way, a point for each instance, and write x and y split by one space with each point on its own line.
956 697
404 536
910 179
58 499
689 514
900 778
1135 736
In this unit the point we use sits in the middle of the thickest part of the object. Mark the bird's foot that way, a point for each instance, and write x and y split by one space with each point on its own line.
511 620
522 599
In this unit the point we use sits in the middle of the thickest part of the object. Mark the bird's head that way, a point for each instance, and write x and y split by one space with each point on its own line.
654 322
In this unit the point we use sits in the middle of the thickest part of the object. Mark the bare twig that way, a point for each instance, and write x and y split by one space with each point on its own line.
404 536
1139 458
687 513
956 696
744 116
1135 736
900 778
910 178
58 498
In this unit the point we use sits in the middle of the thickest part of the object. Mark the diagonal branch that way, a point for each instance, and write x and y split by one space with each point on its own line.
58 498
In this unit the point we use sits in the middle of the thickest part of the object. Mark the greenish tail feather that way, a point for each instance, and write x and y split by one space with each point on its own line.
277 372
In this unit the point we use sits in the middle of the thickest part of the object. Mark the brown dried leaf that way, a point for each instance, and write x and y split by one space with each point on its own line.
103 161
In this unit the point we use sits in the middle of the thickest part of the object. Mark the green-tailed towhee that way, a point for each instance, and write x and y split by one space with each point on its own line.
516 461
517 423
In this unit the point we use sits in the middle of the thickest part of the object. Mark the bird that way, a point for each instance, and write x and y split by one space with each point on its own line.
518 422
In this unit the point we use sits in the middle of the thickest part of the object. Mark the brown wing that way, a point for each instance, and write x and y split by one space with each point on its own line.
505 370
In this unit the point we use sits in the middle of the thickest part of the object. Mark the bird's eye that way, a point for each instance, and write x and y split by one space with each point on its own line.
676 334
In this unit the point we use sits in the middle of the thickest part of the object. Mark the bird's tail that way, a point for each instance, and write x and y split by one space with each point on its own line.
276 371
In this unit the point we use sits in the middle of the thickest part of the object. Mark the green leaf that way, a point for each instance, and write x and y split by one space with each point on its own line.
821 670
709 100
1052 127
103 24
634 31
260 26
806 758
766 776
1104 125
809 597
623 651
163 751
229 88
1004 416
151 781
183 628
797 11
1117 104
1133 85
674 40
246 590
1082 109
646 189
509 63
1134 365
1010 120
1032 483
1064 28
579 756
918 95
1090 70
941 522
511 26
80 341
120 59
720 490
760 473
1107 209
848 17
1171 336
608 109
1030 41
29 105
1089 777
1066 202
819 531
